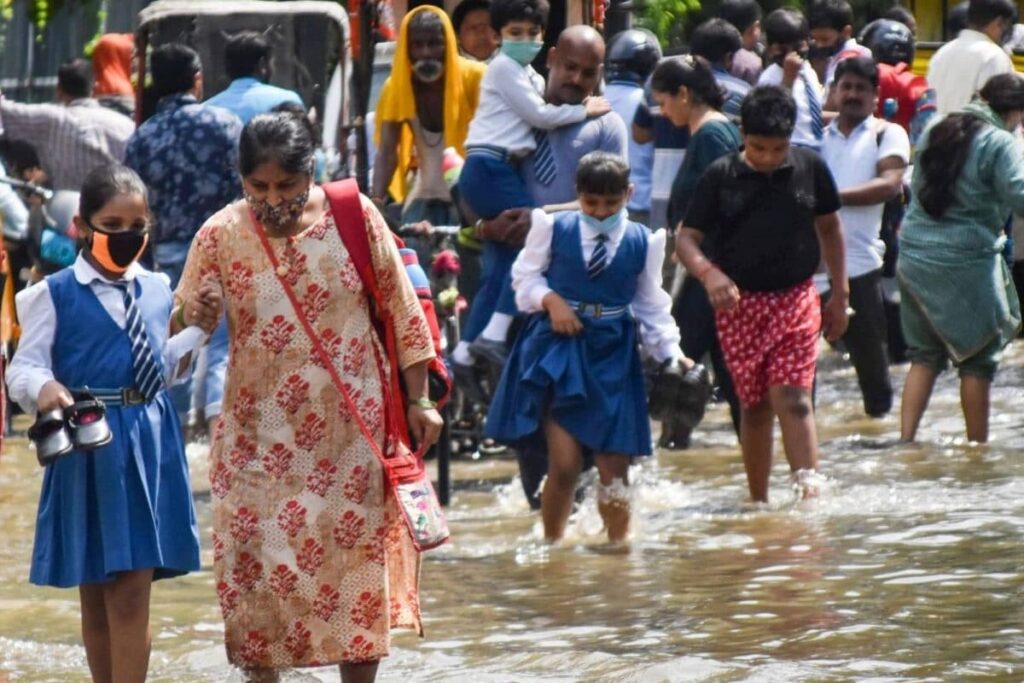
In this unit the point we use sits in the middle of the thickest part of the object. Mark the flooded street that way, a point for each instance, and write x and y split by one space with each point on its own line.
910 567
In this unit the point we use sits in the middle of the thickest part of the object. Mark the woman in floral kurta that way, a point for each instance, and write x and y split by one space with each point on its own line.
312 561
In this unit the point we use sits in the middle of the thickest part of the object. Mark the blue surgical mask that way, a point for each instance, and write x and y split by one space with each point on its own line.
522 51
603 225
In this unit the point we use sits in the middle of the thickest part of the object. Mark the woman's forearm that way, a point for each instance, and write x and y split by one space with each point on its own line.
415 377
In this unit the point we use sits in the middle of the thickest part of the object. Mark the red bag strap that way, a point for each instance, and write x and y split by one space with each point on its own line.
314 339
347 209
343 196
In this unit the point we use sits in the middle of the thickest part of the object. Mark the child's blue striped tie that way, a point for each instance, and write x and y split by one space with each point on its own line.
147 373
814 104
543 158
599 259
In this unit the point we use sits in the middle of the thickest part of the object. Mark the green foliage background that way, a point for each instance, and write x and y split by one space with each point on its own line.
672 20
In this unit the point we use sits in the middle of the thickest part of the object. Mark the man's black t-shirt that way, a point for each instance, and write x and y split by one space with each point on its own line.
759 227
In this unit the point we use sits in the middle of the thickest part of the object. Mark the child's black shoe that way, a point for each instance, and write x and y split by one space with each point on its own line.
87 420
50 436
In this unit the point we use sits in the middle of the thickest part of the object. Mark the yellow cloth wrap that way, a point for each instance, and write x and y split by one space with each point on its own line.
397 104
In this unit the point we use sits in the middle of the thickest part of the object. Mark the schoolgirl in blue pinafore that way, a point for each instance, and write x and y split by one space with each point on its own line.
591 383
127 505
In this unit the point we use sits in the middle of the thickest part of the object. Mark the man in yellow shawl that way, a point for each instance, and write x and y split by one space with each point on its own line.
425 107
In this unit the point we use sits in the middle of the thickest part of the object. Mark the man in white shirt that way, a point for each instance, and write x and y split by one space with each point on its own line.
787 38
868 158
962 66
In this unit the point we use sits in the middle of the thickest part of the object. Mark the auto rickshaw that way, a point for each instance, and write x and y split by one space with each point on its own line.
312 55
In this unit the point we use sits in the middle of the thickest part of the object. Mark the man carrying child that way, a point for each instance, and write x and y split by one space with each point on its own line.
501 136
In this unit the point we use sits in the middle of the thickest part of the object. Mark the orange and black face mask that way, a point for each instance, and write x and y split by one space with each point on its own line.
116 251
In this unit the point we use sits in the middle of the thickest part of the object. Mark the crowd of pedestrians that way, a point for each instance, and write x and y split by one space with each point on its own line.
623 216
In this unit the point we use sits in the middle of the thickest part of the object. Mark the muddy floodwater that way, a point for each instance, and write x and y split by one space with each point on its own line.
910 567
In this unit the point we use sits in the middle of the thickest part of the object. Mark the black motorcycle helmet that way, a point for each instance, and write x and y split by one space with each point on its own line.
890 42
632 56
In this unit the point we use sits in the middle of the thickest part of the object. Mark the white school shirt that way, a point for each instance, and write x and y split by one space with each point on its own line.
32 365
512 105
803 133
651 305
854 161
962 66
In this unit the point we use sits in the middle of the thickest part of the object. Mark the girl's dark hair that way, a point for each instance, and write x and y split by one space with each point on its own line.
949 143
692 72
283 138
602 173
506 11
105 182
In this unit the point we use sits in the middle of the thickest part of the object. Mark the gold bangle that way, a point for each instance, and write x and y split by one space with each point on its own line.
425 403
181 316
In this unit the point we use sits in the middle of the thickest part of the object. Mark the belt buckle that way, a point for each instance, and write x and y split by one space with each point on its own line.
132 397
595 310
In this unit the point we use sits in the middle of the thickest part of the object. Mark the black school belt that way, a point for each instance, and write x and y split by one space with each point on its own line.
597 311
127 396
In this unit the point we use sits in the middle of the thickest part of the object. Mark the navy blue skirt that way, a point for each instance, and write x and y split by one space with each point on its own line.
122 507
590 384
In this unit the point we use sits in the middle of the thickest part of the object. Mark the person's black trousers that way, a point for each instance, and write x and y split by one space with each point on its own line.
866 342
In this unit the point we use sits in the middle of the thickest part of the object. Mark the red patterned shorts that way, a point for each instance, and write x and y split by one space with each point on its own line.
771 339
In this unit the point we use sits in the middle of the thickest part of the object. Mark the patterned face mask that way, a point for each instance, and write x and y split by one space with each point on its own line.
280 215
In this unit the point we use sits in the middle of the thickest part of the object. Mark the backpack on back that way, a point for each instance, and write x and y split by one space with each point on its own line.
913 99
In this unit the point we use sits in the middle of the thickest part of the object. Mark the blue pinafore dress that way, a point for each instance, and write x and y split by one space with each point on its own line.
127 505
591 384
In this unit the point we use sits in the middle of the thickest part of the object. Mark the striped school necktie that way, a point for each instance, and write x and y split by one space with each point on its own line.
599 259
814 104
543 158
148 379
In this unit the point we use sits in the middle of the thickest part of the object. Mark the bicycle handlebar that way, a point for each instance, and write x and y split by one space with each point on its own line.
30 187
445 230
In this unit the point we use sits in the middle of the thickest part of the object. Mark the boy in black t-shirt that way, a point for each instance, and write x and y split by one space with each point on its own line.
766 215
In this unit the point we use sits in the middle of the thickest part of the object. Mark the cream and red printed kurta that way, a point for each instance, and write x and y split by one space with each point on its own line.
312 562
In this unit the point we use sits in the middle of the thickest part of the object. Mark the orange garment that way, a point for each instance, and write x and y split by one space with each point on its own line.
397 103
112 64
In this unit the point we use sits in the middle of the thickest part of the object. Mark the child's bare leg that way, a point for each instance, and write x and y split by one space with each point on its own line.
974 400
565 460
359 673
799 434
917 389
127 602
756 424
613 498
95 632
796 419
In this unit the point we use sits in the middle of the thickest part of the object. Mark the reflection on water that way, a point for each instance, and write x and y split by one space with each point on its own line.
909 568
